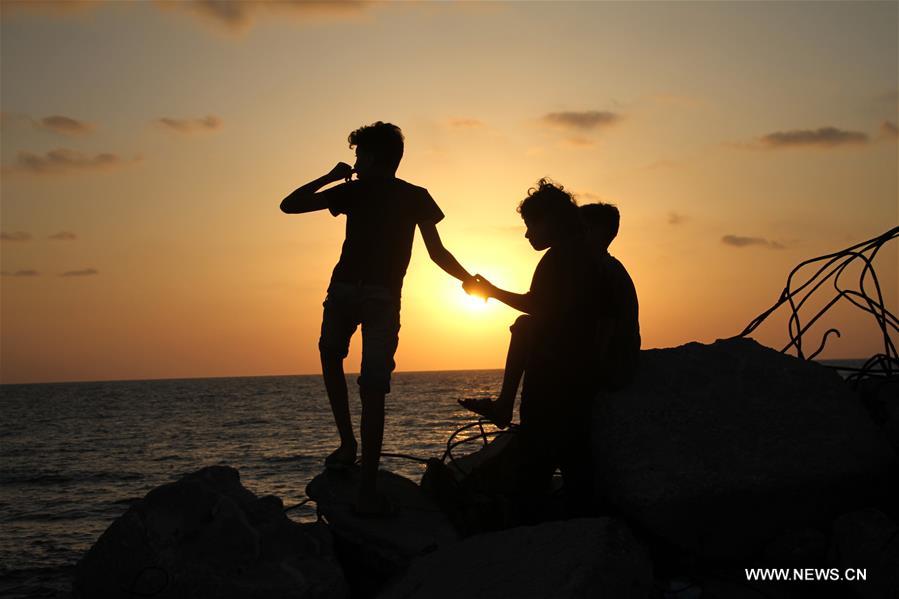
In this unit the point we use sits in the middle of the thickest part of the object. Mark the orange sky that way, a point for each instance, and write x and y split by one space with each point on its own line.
141 231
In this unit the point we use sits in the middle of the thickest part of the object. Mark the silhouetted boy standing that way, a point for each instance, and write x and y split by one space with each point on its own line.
382 213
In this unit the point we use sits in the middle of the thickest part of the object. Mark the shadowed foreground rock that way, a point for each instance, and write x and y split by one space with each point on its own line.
868 539
375 549
589 557
718 448
208 536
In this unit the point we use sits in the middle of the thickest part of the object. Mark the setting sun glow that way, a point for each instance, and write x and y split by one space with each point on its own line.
141 231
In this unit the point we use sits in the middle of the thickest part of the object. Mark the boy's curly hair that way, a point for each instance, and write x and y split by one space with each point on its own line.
382 140
549 201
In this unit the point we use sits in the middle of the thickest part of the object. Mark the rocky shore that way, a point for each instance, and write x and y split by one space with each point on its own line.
722 457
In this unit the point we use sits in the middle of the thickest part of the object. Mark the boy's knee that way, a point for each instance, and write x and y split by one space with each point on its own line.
331 353
521 324
373 385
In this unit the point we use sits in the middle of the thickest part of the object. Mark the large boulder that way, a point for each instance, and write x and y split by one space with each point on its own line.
868 540
208 536
718 448
589 557
374 549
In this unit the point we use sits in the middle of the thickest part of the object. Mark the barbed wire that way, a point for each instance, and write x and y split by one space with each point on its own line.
867 296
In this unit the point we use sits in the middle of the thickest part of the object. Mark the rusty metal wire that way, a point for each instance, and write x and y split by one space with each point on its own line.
867 296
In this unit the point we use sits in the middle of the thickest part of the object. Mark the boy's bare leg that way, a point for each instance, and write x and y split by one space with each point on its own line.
372 438
500 410
335 385
516 359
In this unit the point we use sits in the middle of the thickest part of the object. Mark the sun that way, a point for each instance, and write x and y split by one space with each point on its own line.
471 303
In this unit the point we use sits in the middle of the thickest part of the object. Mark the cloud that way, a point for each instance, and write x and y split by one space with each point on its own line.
85 272
17 236
238 15
63 160
50 7
208 123
64 125
63 236
465 123
661 164
739 241
824 137
581 121
586 196
889 130
20 273
578 141
675 218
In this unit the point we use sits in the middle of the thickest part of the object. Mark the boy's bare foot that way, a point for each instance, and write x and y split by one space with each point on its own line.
342 458
495 411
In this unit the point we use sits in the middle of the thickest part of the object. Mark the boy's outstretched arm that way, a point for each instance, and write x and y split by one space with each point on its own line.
305 198
439 254
523 302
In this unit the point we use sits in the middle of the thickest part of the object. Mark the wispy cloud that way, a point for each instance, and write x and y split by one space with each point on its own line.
582 121
207 123
20 273
586 196
889 130
739 241
675 218
465 123
17 236
823 137
661 164
63 236
578 141
84 272
64 125
50 7
63 160
237 16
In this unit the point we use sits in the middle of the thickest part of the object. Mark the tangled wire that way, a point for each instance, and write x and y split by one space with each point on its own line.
867 296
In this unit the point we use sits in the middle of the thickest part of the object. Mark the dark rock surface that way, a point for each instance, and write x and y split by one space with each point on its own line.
868 539
375 549
208 536
719 448
590 557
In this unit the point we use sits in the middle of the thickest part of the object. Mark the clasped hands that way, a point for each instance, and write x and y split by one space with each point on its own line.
478 286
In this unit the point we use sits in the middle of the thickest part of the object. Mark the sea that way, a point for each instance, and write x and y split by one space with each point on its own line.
74 456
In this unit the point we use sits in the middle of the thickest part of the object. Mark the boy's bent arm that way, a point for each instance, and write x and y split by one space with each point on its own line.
518 301
439 254
305 199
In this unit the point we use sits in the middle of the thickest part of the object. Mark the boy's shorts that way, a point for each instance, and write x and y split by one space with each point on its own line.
377 309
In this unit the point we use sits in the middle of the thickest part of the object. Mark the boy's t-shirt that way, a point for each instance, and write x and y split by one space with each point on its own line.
563 292
380 227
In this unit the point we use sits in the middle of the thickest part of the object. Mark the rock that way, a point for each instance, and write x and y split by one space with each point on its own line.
806 548
375 549
881 396
868 539
589 557
208 536
718 448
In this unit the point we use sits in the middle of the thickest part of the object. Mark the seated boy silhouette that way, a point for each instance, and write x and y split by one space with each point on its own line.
382 212
617 344
554 342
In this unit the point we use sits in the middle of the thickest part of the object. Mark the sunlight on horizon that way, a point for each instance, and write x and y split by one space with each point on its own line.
141 231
